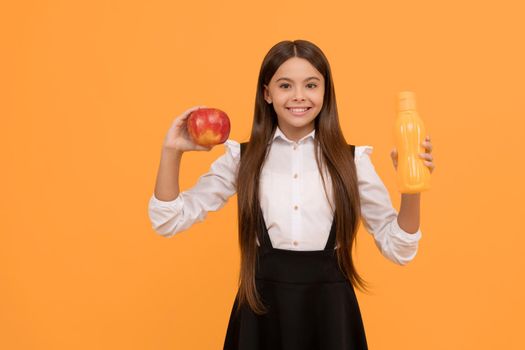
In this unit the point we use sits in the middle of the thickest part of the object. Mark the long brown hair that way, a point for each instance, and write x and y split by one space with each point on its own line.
335 156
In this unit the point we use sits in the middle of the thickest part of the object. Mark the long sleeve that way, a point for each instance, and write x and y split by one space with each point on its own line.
378 215
210 193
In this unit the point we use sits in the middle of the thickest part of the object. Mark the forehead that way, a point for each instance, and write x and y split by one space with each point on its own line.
296 69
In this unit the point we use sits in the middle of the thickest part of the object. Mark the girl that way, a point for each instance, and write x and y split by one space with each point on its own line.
301 192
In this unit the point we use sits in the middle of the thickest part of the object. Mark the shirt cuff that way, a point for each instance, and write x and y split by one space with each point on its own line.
175 204
407 237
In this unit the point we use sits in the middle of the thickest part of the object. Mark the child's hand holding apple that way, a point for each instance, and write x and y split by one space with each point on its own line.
198 131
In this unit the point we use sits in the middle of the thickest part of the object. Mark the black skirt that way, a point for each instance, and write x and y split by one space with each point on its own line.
310 303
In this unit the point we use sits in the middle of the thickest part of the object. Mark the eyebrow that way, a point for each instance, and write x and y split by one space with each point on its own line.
309 78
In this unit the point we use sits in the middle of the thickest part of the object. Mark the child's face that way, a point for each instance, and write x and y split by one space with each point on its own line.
296 83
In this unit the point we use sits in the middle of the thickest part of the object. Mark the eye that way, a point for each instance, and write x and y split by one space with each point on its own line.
310 84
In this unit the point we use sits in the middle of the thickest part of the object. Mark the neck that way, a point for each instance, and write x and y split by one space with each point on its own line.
297 134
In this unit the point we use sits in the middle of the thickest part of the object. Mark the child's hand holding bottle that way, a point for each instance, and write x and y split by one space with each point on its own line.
427 155
415 160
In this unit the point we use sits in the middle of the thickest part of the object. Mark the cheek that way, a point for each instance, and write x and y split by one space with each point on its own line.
281 101
318 98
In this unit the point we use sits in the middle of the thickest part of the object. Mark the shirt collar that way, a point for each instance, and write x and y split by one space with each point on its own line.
279 133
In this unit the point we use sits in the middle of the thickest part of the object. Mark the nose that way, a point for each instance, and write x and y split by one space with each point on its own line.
298 96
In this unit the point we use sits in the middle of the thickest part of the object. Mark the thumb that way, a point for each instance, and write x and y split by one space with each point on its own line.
393 155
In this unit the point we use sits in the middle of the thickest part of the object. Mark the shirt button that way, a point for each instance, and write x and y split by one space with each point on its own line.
294 147
295 176
295 243
295 207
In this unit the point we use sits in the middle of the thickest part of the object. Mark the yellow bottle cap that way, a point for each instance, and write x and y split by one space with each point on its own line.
407 101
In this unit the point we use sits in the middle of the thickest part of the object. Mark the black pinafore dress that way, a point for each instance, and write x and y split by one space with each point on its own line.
311 305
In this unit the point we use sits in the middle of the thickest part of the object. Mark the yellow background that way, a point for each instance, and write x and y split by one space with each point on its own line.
89 89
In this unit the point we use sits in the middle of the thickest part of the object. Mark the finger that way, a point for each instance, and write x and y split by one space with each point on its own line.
427 145
184 116
426 156
194 108
429 164
187 112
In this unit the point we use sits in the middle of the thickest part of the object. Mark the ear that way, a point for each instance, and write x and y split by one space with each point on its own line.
267 94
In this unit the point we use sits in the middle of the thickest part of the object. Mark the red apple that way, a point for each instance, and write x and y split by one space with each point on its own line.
208 126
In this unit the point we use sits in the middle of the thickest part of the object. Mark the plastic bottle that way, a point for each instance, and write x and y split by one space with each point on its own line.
413 176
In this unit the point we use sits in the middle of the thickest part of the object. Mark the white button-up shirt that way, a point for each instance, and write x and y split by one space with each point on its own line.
295 208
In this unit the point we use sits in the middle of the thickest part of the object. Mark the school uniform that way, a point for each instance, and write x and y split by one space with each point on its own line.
311 305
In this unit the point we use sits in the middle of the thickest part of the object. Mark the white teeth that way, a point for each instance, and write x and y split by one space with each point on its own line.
298 110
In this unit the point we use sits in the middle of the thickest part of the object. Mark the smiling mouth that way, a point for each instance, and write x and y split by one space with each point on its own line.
298 111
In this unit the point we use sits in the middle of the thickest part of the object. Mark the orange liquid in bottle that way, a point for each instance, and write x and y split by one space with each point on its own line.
413 176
